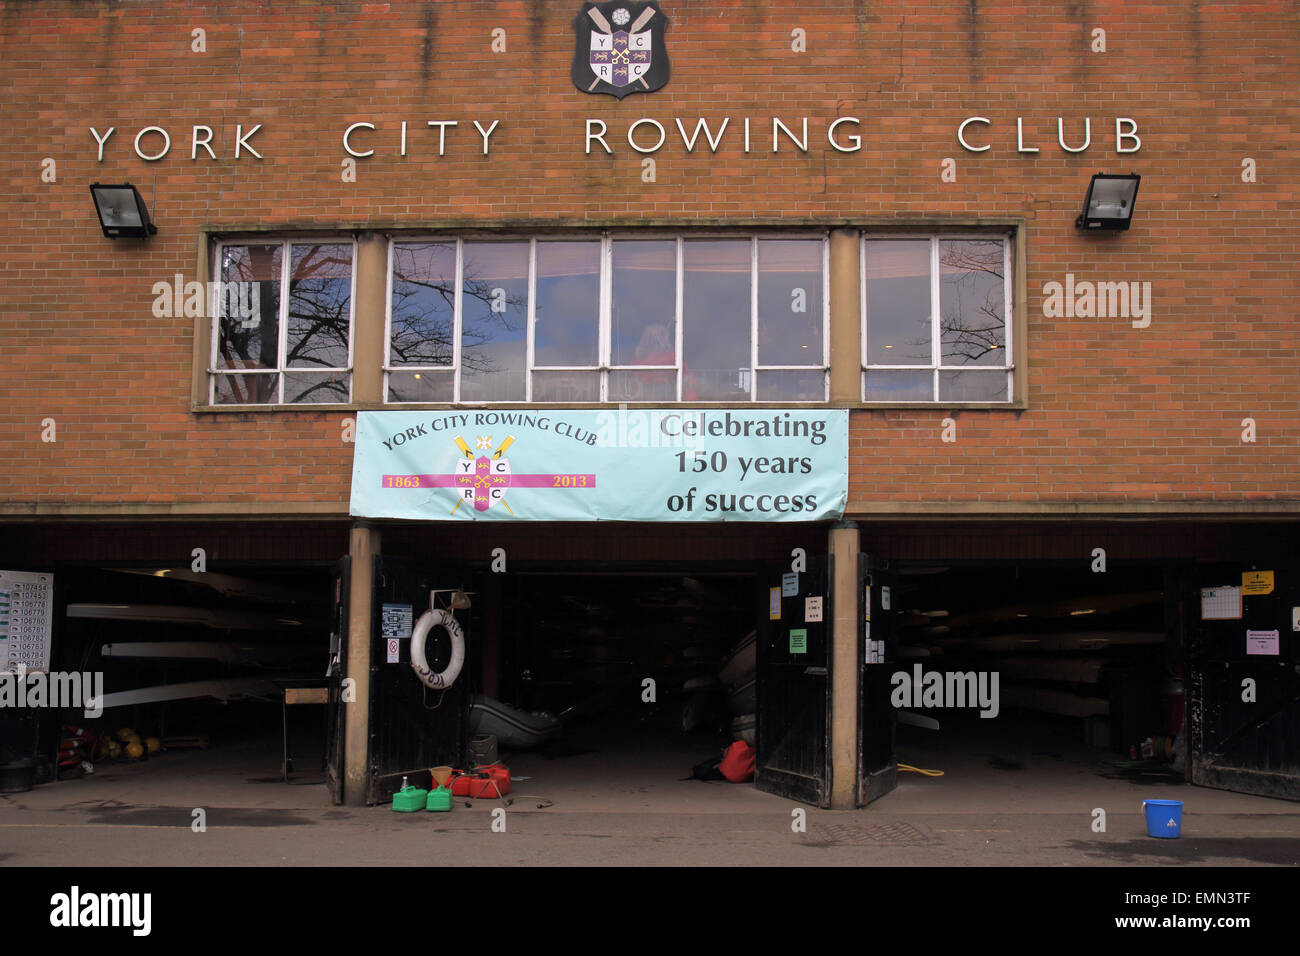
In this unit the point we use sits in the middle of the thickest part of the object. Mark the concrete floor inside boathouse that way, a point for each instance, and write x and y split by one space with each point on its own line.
1022 803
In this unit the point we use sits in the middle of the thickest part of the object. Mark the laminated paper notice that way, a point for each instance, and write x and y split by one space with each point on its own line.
1221 604
1256 582
812 610
774 604
1263 642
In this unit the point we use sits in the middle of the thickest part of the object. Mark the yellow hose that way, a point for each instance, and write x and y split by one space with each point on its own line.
908 768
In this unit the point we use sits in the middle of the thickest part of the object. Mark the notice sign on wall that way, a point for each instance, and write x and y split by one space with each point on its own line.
554 464
395 625
1221 604
1266 643
26 613
1256 582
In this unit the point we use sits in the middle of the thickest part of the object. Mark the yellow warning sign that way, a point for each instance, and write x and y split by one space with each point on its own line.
1256 582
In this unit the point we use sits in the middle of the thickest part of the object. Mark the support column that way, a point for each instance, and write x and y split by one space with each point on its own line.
846 317
844 547
362 547
368 345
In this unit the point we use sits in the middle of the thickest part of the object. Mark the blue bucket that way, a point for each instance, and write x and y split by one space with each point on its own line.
1164 818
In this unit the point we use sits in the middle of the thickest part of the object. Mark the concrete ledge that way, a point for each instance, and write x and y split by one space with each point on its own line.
921 510
910 510
218 511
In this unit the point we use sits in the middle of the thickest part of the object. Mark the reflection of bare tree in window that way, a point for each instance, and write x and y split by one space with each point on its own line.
320 307
320 316
319 321
253 345
423 309
971 321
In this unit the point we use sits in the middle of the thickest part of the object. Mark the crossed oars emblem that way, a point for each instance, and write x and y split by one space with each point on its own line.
621 56
482 482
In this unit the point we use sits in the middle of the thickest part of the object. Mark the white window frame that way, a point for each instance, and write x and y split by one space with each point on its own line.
286 265
604 364
936 343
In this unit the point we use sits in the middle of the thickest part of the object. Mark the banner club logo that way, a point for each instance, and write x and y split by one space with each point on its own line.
620 48
484 481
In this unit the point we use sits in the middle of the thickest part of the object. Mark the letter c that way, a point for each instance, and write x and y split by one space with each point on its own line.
961 133
348 146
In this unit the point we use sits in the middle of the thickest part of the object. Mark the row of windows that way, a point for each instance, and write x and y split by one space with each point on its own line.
636 319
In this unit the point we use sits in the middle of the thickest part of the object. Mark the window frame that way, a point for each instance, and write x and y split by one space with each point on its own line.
213 372
1008 238
604 366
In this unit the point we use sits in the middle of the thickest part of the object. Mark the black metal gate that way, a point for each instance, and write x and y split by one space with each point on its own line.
336 668
1235 742
413 728
793 751
877 646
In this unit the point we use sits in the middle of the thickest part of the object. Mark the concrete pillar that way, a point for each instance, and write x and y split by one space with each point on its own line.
368 345
844 546
363 546
846 316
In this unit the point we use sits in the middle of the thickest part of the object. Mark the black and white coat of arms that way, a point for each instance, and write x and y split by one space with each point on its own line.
620 48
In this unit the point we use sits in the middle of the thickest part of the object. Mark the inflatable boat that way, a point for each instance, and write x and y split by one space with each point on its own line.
511 726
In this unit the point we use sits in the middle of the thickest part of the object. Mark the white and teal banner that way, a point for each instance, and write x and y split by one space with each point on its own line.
556 464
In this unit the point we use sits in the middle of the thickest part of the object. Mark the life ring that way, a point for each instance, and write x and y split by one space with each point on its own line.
427 622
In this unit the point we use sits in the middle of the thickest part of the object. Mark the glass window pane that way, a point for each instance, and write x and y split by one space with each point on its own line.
424 304
494 323
320 306
421 386
790 319
248 307
904 385
716 320
972 306
790 386
973 386
643 328
250 389
659 385
566 386
309 387
568 304
898 302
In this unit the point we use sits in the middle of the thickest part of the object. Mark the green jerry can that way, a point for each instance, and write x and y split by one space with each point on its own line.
439 799
409 799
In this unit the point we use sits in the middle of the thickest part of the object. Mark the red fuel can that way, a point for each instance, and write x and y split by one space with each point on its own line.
490 780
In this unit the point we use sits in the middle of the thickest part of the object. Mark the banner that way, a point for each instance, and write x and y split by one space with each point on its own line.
556 464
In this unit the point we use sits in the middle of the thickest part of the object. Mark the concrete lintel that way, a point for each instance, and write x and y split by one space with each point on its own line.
192 510
1018 510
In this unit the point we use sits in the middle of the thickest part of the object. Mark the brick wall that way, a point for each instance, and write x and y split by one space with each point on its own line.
1117 414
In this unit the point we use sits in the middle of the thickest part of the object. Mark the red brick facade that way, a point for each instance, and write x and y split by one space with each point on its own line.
1117 416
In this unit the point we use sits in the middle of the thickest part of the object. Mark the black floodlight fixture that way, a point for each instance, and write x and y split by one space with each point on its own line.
1109 203
122 212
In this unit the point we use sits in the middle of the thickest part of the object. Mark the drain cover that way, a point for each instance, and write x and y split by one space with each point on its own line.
876 834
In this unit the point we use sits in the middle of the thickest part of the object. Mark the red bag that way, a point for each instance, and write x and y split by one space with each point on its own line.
738 762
